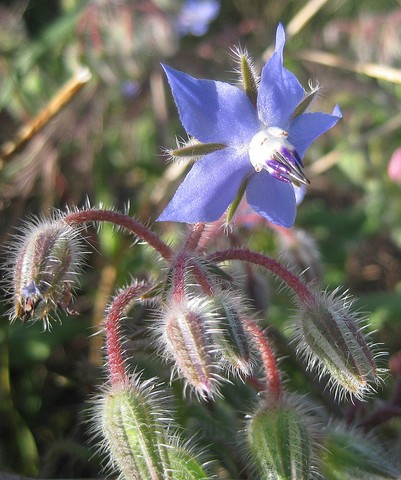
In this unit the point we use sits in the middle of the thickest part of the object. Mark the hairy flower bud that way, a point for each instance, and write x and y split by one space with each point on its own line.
136 431
349 454
229 334
184 462
330 339
132 429
185 337
280 442
44 268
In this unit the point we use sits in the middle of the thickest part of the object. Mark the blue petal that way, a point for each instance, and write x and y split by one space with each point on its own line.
305 128
213 111
279 91
209 188
271 198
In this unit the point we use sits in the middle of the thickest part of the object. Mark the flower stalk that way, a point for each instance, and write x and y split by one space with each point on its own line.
114 350
272 373
121 220
291 280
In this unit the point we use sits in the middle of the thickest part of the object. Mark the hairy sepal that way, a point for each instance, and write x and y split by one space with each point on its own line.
281 442
330 339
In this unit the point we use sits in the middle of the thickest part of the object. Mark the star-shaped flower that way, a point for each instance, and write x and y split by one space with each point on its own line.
249 140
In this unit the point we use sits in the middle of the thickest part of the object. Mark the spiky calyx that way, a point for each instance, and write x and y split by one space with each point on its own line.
131 432
44 269
137 434
351 454
328 335
281 442
185 328
229 335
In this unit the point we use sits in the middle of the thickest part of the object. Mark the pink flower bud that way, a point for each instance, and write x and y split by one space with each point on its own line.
185 338
394 166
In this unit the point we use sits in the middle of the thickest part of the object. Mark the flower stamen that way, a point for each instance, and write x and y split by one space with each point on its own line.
270 150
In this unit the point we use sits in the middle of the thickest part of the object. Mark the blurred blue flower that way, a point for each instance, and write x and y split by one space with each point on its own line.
264 146
130 88
195 16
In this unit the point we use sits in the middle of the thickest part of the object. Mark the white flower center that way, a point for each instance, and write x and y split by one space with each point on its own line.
270 150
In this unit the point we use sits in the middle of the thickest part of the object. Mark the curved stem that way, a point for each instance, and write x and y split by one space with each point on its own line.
114 350
122 220
301 290
272 372
202 279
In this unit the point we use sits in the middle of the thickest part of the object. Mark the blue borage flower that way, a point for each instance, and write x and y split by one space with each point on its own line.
256 144
195 16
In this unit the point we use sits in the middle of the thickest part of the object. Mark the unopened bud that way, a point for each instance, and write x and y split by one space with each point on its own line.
186 339
132 429
329 337
349 454
44 269
184 462
229 334
140 435
281 442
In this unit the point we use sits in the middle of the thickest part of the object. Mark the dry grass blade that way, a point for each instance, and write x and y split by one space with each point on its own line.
62 97
374 70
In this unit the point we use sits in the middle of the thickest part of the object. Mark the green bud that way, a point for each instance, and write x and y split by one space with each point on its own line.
44 269
228 333
131 425
136 431
330 339
349 454
185 464
280 443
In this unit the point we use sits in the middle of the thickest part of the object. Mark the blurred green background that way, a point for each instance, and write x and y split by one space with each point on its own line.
105 146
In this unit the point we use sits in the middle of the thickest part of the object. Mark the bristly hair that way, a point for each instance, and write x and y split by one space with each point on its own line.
16 251
238 54
350 347
183 151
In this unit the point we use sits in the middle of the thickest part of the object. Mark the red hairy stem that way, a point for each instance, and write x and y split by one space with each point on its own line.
202 279
122 220
212 232
194 236
301 290
272 373
181 265
179 273
114 350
